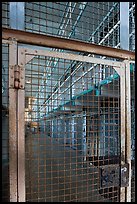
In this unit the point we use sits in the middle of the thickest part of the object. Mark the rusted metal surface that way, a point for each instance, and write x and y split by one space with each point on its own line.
56 42
109 176
12 124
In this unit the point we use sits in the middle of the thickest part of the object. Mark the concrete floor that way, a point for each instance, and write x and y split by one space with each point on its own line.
56 174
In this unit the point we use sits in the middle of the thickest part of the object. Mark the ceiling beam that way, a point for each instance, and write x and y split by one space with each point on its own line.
63 43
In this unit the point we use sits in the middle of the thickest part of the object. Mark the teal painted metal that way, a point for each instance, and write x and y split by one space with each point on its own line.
109 79
83 92
132 67
96 88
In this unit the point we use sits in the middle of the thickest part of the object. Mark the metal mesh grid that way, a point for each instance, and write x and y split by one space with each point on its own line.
72 130
5 14
5 124
132 26
68 19
132 78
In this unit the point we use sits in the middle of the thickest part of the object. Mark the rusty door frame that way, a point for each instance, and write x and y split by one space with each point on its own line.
26 37
16 129
21 132
18 55
128 125
122 68
13 175
12 123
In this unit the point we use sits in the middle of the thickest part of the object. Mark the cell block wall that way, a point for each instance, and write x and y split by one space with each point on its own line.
71 132
5 124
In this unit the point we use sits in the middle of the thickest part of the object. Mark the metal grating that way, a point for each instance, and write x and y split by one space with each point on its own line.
5 124
132 78
132 26
5 14
68 19
72 124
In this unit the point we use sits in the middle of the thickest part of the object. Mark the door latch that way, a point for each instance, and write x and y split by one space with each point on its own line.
114 175
124 175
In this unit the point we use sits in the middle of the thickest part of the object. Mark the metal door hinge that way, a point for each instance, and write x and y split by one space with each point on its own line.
17 77
17 84
114 175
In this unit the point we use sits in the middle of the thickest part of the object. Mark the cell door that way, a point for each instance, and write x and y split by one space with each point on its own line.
64 154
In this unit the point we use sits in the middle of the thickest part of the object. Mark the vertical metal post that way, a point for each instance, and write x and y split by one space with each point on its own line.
124 25
128 128
21 129
17 15
12 123
123 128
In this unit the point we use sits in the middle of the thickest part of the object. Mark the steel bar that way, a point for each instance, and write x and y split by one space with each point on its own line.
17 15
75 45
124 25
21 132
12 125
71 57
128 127
123 126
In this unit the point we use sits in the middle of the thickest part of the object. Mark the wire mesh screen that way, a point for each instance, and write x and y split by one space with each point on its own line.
132 26
96 22
132 78
5 14
72 118
67 19
5 124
